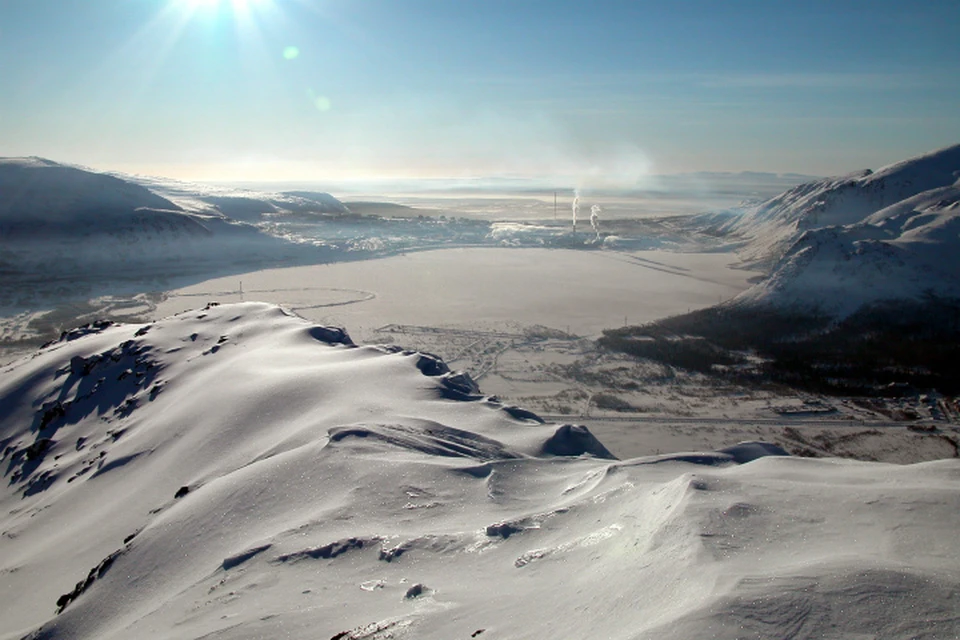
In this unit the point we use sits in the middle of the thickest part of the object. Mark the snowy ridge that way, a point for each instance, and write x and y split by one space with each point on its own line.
842 243
838 270
237 472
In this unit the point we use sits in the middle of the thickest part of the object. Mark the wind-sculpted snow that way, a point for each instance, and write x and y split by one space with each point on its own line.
236 472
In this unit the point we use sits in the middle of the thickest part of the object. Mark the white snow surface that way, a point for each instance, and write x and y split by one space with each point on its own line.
333 491
840 243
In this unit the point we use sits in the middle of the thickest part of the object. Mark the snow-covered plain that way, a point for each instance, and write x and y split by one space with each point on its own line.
237 472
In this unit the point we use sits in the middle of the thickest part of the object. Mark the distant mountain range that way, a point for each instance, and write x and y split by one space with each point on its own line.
745 185
42 195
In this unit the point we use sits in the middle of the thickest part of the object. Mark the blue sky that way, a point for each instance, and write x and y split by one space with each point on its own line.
334 89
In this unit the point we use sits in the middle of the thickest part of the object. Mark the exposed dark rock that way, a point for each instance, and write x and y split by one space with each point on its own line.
503 530
391 554
570 440
431 365
97 572
53 413
523 414
415 591
331 335
462 382
81 366
240 558
36 450
328 551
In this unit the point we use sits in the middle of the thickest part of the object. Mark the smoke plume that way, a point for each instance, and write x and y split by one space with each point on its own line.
576 208
595 219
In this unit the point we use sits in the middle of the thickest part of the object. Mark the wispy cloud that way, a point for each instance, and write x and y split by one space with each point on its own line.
698 80
833 80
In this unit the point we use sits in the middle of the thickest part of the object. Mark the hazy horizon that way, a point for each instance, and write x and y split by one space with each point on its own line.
599 94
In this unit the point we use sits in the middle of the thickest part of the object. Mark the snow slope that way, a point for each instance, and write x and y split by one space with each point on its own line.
842 243
236 472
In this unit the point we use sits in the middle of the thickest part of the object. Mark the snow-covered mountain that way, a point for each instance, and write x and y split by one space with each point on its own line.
906 251
236 472
39 196
769 228
840 243
59 221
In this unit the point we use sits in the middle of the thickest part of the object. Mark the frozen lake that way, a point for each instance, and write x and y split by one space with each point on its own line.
580 291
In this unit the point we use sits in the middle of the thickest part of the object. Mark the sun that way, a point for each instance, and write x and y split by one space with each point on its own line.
244 12
236 5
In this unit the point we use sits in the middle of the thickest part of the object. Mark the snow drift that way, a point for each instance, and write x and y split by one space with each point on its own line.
236 472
